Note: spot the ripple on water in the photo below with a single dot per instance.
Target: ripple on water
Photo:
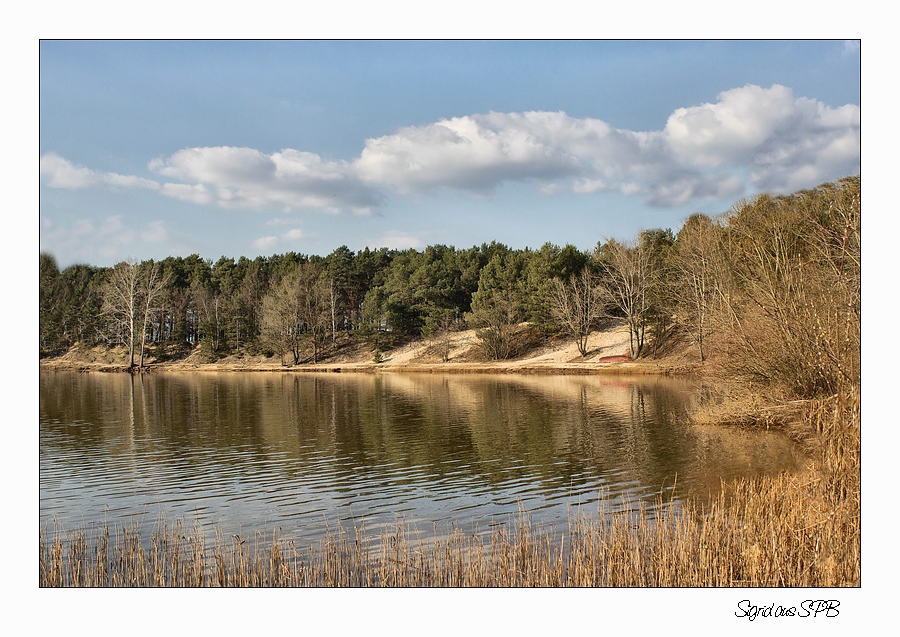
(252, 452)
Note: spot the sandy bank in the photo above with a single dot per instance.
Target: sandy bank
(557, 357)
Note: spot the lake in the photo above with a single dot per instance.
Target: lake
(305, 452)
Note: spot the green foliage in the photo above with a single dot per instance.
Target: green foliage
(535, 287)
(69, 306)
(496, 306)
(49, 306)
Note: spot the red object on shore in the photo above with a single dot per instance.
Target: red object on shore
(614, 359)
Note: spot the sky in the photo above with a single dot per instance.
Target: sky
(245, 148)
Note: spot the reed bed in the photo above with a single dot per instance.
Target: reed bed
(785, 530)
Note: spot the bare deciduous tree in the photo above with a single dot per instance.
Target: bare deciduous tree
(121, 301)
(279, 325)
(438, 329)
(578, 304)
(797, 279)
(153, 283)
(628, 281)
(696, 285)
(497, 318)
(315, 305)
(297, 311)
(128, 299)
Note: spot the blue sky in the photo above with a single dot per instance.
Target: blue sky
(156, 148)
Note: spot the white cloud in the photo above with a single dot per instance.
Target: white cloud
(56, 172)
(196, 193)
(751, 138)
(265, 243)
(675, 191)
(84, 239)
(785, 142)
(282, 221)
(232, 177)
(705, 151)
(396, 240)
(294, 235)
(60, 173)
(735, 127)
(551, 189)
(286, 238)
(473, 153)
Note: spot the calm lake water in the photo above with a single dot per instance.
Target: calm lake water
(294, 451)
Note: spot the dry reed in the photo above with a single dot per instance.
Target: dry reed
(759, 547)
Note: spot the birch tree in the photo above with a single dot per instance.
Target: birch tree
(122, 303)
(129, 299)
(152, 284)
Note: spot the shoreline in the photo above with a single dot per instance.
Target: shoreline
(558, 356)
(643, 368)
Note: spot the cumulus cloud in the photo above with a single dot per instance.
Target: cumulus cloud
(785, 142)
(750, 138)
(474, 153)
(232, 177)
(767, 137)
(735, 127)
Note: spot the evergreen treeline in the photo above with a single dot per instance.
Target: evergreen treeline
(775, 282)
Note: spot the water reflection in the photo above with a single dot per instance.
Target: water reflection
(290, 450)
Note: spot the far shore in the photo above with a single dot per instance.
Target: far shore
(557, 357)
(502, 367)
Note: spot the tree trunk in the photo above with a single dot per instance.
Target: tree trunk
(131, 344)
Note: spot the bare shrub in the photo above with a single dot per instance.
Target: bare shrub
(794, 292)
